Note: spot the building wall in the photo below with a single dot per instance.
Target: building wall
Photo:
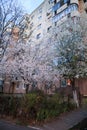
(52, 13)
(40, 21)
(13, 86)
(82, 85)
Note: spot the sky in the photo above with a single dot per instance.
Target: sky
(30, 5)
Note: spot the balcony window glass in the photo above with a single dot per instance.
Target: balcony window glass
(62, 14)
(65, 12)
(61, 2)
(75, 7)
(51, 0)
(65, 1)
(56, 7)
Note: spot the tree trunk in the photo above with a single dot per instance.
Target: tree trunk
(27, 88)
(75, 96)
(13, 87)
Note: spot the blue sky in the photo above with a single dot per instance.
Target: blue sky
(30, 5)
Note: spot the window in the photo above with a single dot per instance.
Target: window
(31, 25)
(39, 26)
(68, 2)
(39, 17)
(65, 1)
(1, 82)
(69, 15)
(55, 23)
(48, 14)
(55, 1)
(25, 86)
(56, 7)
(30, 40)
(17, 85)
(55, 12)
(38, 36)
(86, 11)
(62, 2)
(32, 16)
(40, 10)
(49, 28)
(63, 83)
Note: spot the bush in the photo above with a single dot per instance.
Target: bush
(9, 105)
(35, 105)
(85, 101)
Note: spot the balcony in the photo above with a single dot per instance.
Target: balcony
(74, 1)
(65, 12)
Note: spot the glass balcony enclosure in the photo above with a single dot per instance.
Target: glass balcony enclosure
(65, 12)
(59, 4)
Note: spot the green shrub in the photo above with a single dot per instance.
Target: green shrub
(35, 105)
(85, 101)
(42, 114)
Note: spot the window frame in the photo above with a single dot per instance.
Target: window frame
(38, 36)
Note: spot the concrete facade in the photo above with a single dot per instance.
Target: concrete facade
(40, 21)
(51, 13)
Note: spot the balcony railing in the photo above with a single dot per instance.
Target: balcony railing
(65, 12)
(59, 4)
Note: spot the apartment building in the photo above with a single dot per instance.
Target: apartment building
(49, 14)
(52, 13)
(40, 21)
